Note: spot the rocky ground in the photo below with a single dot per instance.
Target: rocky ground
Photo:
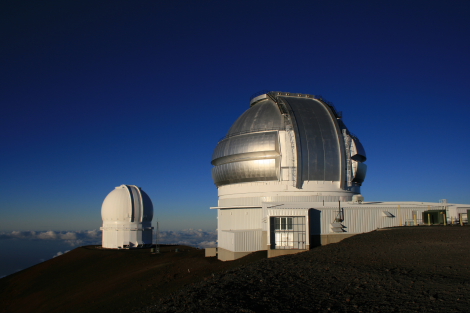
(92, 279)
(407, 269)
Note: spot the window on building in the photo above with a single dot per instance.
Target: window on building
(283, 223)
(288, 232)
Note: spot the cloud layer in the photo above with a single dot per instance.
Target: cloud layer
(73, 238)
(190, 237)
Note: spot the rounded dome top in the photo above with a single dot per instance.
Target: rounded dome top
(127, 204)
(317, 145)
(262, 116)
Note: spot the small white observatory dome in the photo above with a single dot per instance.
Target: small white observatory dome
(127, 214)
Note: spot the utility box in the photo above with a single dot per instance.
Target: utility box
(434, 217)
(211, 252)
(357, 198)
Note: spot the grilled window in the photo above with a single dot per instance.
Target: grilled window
(283, 223)
(288, 232)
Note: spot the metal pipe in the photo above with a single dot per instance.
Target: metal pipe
(399, 215)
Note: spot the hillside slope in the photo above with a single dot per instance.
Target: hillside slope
(91, 279)
(407, 269)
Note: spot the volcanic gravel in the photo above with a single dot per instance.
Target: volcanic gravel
(406, 269)
(92, 279)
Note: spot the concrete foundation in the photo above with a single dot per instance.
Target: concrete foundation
(273, 252)
(333, 238)
(227, 255)
(315, 241)
(211, 252)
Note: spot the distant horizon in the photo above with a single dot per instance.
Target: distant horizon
(25, 249)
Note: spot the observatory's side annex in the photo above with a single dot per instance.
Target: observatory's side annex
(289, 176)
(127, 214)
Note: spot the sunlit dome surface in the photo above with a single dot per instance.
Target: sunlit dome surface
(263, 116)
(127, 203)
(321, 148)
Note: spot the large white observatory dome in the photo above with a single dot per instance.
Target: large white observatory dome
(127, 214)
(288, 147)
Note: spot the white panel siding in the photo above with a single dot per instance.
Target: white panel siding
(361, 220)
(460, 210)
(248, 240)
(287, 212)
(241, 240)
(240, 230)
(257, 201)
(234, 219)
(226, 240)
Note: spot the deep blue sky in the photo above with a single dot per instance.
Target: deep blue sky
(95, 94)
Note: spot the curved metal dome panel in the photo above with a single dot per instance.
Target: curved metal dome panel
(148, 207)
(307, 130)
(262, 116)
(245, 144)
(127, 203)
(360, 170)
(246, 158)
(359, 153)
(318, 139)
(117, 205)
(245, 171)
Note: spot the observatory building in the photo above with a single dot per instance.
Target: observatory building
(127, 214)
(289, 175)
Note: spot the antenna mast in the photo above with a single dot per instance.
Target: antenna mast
(157, 243)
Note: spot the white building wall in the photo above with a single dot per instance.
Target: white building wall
(287, 212)
(114, 238)
(455, 213)
(240, 229)
(326, 196)
(234, 219)
(364, 219)
(226, 240)
(241, 240)
(459, 210)
(248, 240)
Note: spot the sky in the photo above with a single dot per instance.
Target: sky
(95, 94)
